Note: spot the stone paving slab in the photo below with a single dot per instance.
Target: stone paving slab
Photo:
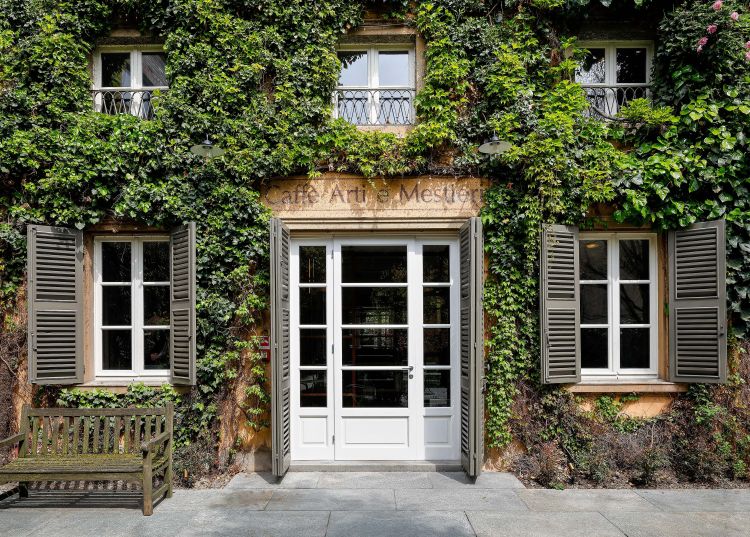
(115, 523)
(487, 480)
(584, 500)
(374, 480)
(535, 524)
(682, 524)
(266, 480)
(699, 500)
(192, 500)
(230, 523)
(458, 499)
(331, 500)
(402, 524)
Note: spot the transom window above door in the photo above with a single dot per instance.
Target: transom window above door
(376, 85)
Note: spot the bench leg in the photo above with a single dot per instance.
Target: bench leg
(169, 475)
(23, 489)
(148, 491)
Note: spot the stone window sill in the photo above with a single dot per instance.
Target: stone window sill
(651, 386)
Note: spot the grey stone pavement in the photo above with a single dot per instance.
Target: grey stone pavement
(349, 504)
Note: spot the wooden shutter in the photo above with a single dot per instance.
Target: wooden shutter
(472, 347)
(559, 307)
(697, 311)
(280, 356)
(182, 305)
(55, 272)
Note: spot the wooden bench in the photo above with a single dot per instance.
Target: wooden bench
(82, 444)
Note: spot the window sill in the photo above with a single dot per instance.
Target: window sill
(401, 131)
(123, 382)
(630, 386)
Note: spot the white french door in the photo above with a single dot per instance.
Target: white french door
(374, 346)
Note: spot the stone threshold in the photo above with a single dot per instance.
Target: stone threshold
(375, 466)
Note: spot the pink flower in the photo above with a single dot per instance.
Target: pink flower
(747, 45)
(717, 5)
(699, 49)
(702, 41)
(711, 29)
(747, 55)
(735, 16)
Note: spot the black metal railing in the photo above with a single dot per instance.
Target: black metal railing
(606, 101)
(134, 102)
(375, 106)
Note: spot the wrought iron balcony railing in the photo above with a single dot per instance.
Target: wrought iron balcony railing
(375, 106)
(606, 101)
(124, 101)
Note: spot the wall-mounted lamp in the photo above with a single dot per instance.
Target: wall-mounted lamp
(494, 146)
(207, 149)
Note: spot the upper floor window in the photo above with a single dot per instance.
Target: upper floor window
(376, 85)
(614, 73)
(124, 80)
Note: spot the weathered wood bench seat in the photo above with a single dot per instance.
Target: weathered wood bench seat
(77, 444)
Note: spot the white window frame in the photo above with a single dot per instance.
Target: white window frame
(136, 327)
(614, 372)
(610, 59)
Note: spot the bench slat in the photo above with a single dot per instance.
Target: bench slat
(96, 411)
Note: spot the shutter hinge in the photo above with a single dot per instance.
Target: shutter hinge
(332, 347)
(333, 439)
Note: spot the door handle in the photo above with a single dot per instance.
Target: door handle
(409, 369)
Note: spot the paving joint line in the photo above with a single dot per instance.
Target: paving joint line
(528, 507)
(618, 528)
(638, 493)
(473, 529)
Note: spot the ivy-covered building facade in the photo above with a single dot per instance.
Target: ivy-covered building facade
(486, 235)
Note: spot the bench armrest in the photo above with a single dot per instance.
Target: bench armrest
(151, 445)
(13, 440)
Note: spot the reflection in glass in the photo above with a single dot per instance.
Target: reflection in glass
(373, 264)
(374, 305)
(116, 349)
(156, 349)
(634, 260)
(312, 302)
(436, 305)
(116, 305)
(593, 259)
(153, 65)
(156, 305)
(375, 346)
(593, 69)
(374, 389)
(353, 68)
(634, 302)
(116, 70)
(312, 264)
(156, 261)
(312, 346)
(635, 348)
(437, 346)
(393, 68)
(116, 261)
(594, 347)
(436, 264)
(313, 391)
(437, 388)
(631, 65)
(594, 304)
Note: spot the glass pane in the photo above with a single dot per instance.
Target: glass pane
(116, 305)
(312, 305)
(594, 347)
(594, 307)
(156, 261)
(634, 303)
(312, 264)
(436, 264)
(116, 349)
(368, 389)
(353, 68)
(313, 389)
(156, 305)
(437, 303)
(635, 348)
(593, 69)
(373, 264)
(379, 305)
(593, 260)
(368, 346)
(393, 68)
(156, 349)
(116, 70)
(437, 346)
(437, 388)
(312, 346)
(153, 68)
(631, 65)
(116, 261)
(634, 260)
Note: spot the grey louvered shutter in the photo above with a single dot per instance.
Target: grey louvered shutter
(560, 311)
(472, 346)
(697, 305)
(182, 305)
(55, 272)
(280, 354)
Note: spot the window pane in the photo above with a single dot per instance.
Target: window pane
(594, 307)
(436, 264)
(156, 261)
(437, 388)
(634, 302)
(635, 348)
(593, 260)
(156, 349)
(353, 68)
(594, 347)
(381, 389)
(631, 65)
(437, 346)
(634, 260)
(593, 69)
(312, 264)
(116, 350)
(393, 68)
(373, 264)
(116, 70)
(312, 346)
(312, 305)
(116, 261)
(156, 305)
(368, 346)
(436, 305)
(153, 68)
(313, 391)
(116, 305)
(379, 305)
